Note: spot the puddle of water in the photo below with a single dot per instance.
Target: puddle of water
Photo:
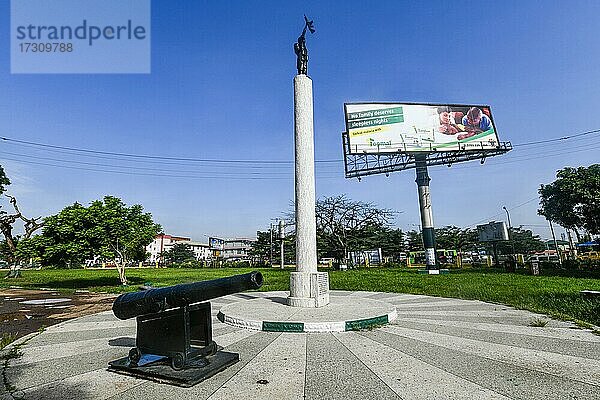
(43, 302)
(55, 307)
(14, 298)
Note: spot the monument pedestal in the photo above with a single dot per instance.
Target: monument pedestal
(309, 289)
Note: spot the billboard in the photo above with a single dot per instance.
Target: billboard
(407, 127)
(366, 257)
(216, 244)
(492, 232)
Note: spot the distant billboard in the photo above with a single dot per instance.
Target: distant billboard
(216, 244)
(492, 232)
(407, 127)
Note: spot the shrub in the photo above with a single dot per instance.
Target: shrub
(189, 263)
(237, 264)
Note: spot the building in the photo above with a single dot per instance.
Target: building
(163, 243)
(237, 249)
(202, 251)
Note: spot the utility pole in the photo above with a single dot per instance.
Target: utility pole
(271, 245)
(281, 237)
(555, 243)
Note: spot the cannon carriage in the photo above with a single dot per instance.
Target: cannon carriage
(174, 341)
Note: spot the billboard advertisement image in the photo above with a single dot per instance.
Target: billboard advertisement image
(216, 243)
(406, 127)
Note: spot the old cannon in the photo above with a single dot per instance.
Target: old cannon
(174, 330)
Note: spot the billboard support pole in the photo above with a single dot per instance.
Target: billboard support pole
(426, 213)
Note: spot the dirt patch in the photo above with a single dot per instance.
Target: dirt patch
(25, 311)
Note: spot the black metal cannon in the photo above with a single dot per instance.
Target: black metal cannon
(174, 325)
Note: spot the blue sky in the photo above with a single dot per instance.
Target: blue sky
(221, 88)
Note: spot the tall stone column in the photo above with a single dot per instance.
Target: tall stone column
(308, 288)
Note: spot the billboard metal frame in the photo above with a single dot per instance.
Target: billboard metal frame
(364, 164)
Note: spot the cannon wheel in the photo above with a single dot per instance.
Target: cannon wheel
(177, 362)
(134, 355)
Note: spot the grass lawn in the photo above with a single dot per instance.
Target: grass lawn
(553, 293)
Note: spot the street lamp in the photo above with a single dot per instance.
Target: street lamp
(508, 216)
(512, 245)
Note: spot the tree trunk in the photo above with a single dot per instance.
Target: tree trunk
(577, 234)
(121, 269)
(10, 242)
(7, 222)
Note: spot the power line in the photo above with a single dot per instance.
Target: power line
(560, 138)
(234, 161)
(237, 163)
(140, 168)
(175, 175)
(146, 156)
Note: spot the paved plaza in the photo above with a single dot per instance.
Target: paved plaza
(436, 348)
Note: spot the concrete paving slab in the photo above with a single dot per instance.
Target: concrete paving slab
(574, 368)
(45, 302)
(333, 372)
(277, 372)
(513, 381)
(25, 376)
(467, 313)
(576, 348)
(383, 296)
(247, 348)
(101, 316)
(99, 384)
(566, 332)
(409, 377)
(53, 351)
(75, 336)
(459, 349)
(450, 304)
(91, 326)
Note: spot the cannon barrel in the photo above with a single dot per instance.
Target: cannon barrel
(129, 305)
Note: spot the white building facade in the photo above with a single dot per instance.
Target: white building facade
(237, 249)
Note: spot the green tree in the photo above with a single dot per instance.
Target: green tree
(261, 247)
(455, 238)
(344, 224)
(391, 242)
(415, 240)
(107, 228)
(374, 236)
(31, 248)
(180, 252)
(67, 238)
(573, 199)
(522, 241)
